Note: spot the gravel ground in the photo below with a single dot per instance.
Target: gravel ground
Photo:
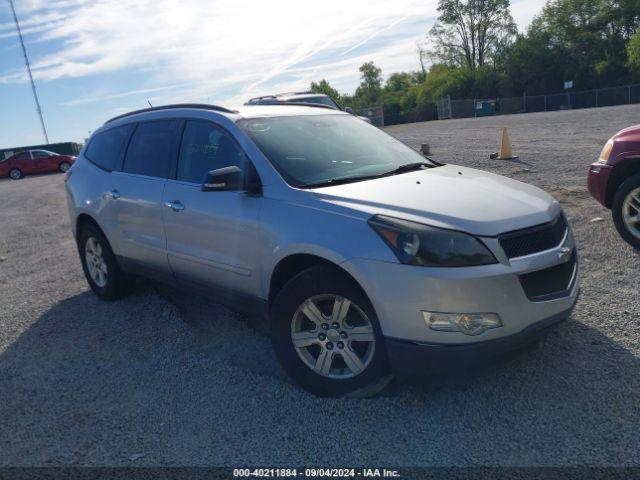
(169, 379)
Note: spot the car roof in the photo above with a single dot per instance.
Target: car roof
(244, 111)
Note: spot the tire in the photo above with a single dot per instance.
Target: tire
(623, 203)
(112, 283)
(15, 174)
(64, 166)
(327, 287)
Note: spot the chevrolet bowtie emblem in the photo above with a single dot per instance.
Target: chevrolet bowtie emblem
(564, 254)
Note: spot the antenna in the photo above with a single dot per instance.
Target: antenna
(26, 61)
(149, 103)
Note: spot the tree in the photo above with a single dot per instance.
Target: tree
(370, 85)
(400, 81)
(533, 64)
(323, 87)
(421, 50)
(633, 52)
(589, 37)
(395, 93)
(469, 32)
(371, 76)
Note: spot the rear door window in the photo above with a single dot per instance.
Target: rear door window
(153, 149)
(23, 156)
(106, 148)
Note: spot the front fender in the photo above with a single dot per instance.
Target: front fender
(291, 228)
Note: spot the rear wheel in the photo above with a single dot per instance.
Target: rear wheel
(15, 174)
(64, 166)
(100, 267)
(326, 335)
(626, 210)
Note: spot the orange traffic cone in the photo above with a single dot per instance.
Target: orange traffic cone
(506, 153)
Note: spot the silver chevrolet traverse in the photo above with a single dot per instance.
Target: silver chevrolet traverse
(366, 257)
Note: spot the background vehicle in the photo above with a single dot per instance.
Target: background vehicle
(366, 257)
(614, 180)
(34, 161)
(302, 97)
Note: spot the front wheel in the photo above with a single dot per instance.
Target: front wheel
(326, 335)
(64, 166)
(626, 211)
(15, 174)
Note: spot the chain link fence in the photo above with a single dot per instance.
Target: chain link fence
(375, 114)
(603, 97)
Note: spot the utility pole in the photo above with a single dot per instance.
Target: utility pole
(26, 61)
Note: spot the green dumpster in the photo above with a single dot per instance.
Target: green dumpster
(485, 108)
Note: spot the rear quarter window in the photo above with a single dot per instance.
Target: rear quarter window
(106, 148)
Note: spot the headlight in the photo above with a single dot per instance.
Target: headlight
(606, 151)
(418, 244)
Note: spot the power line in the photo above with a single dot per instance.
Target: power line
(26, 61)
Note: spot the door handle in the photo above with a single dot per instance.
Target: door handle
(113, 194)
(176, 205)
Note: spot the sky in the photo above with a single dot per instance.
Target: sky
(94, 59)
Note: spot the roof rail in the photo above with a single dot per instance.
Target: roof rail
(202, 106)
(263, 97)
(308, 92)
(290, 104)
(284, 94)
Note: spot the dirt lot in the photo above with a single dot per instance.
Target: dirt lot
(165, 378)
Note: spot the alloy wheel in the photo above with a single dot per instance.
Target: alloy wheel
(15, 174)
(631, 212)
(333, 336)
(96, 264)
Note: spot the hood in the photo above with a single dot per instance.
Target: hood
(633, 129)
(631, 134)
(451, 197)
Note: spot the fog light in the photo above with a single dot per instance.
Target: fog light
(467, 323)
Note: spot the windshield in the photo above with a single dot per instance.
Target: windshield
(314, 149)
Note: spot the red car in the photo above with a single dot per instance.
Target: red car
(614, 180)
(34, 161)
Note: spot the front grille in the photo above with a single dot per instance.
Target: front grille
(535, 239)
(550, 283)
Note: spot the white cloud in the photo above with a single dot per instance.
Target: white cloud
(221, 49)
(523, 12)
(198, 40)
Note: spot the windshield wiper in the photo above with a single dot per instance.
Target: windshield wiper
(341, 181)
(409, 167)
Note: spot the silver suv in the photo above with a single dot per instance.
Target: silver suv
(305, 98)
(366, 257)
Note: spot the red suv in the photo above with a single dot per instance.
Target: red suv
(614, 180)
(34, 161)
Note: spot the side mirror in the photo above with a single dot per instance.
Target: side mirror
(224, 179)
(349, 110)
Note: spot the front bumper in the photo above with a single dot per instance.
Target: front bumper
(417, 359)
(598, 180)
(400, 293)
